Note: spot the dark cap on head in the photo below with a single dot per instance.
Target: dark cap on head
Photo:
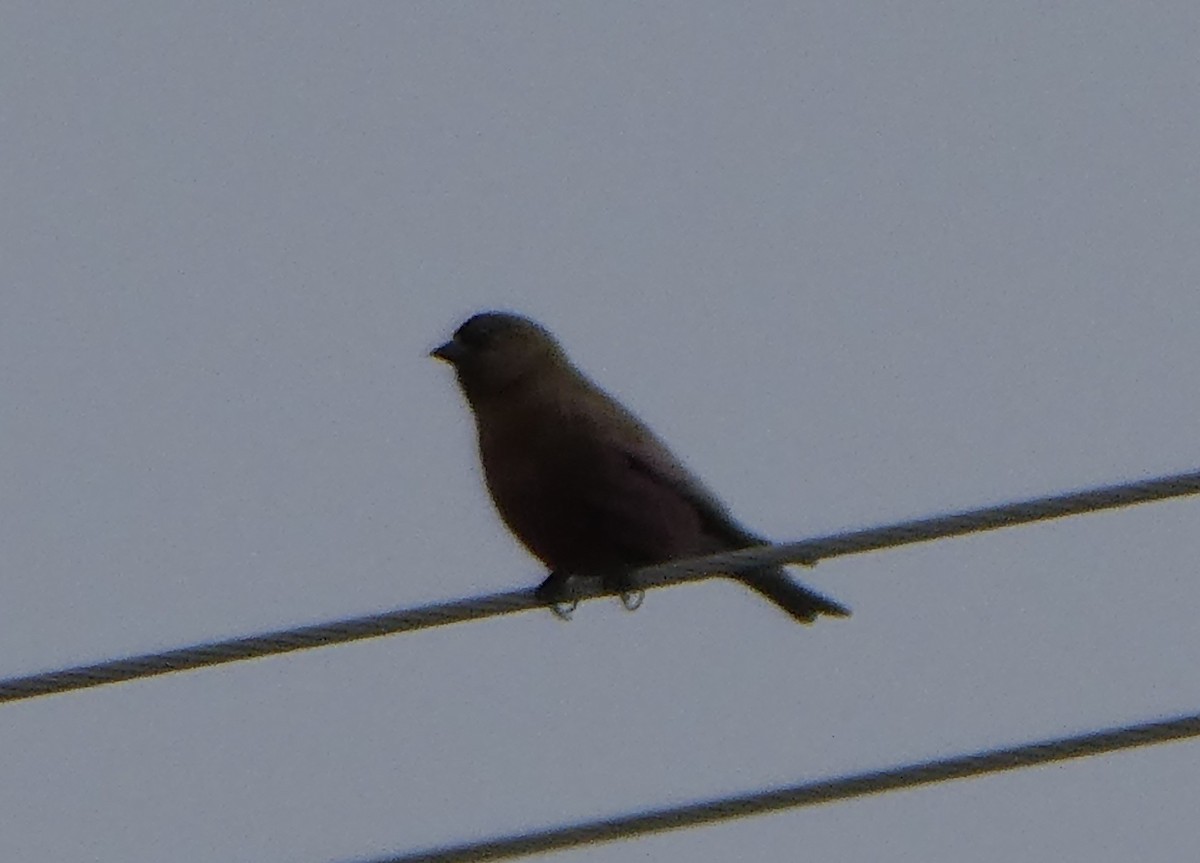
(491, 350)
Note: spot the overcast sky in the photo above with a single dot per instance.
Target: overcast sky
(857, 262)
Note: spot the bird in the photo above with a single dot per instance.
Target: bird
(580, 481)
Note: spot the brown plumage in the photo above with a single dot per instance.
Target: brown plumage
(580, 481)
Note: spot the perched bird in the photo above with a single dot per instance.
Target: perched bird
(580, 481)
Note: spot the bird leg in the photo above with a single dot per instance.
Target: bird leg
(553, 591)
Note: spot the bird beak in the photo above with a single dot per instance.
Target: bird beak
(451, 352)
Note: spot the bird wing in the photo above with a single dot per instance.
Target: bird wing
(652, 469)
(660, 467)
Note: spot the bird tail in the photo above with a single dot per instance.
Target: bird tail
(797, 600)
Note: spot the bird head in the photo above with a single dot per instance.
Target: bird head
(492, 351)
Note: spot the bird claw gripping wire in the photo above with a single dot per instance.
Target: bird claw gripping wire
(632, 599)
(563, 610)
(554, 592)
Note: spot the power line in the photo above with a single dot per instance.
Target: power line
(811, 793)
(442, 614)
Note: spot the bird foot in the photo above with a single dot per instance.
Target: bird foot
(632, 599)
(555, 593)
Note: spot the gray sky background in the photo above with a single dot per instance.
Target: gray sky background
(857, 262)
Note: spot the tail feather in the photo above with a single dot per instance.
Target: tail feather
(798, 601)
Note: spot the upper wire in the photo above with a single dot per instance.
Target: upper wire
(806, 552)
